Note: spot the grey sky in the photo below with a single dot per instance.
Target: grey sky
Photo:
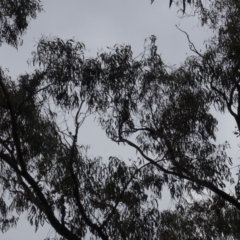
(102, 23)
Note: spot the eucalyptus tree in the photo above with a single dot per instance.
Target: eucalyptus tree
(160, 111)
(44, 170)
(218, 67)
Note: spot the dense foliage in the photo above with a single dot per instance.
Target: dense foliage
(15, 17)
(161, 111)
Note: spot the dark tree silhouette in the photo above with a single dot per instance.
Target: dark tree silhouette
(160, 111)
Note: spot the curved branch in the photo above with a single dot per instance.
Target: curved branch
(203, 183)
(151, 160)
(45, 207)
(88, 221)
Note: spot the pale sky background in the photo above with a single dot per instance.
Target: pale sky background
(98, 24)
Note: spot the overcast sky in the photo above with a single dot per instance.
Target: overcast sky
(98, 24)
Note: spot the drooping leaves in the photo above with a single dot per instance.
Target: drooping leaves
(14, 19)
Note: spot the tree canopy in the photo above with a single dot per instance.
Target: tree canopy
(15, 17)
(162, 112)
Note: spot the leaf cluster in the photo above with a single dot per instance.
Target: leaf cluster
(14, 19)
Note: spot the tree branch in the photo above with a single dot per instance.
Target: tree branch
(191, 178)
(23, 173)
(88, 221)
